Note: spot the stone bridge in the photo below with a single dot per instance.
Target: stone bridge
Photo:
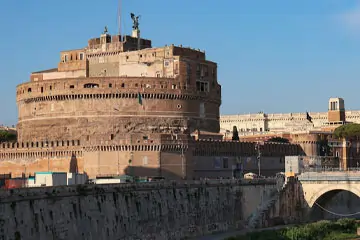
(334, 193)
(309, 197)
(319, 185)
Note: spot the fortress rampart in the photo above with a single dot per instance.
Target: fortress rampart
(112, 157)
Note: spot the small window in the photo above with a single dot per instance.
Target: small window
(66, 58)
(141, 55)
(112, 137)
(127, 57)
(29, 89)
(110, 85)
(81, 56)
(123, 85)
(145, 137)
(91, 85)
(50, 87)
(42, 89)
(72, 86)
(136, 85)
(145, 160)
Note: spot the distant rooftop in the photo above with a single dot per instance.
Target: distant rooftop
(47, 71)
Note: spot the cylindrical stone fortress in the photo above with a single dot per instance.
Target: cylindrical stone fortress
(109, 108)
(102, 93)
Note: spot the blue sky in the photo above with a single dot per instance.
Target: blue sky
(273, 56)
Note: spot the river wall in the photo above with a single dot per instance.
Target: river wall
(166, 210)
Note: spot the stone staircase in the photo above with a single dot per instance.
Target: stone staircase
(255, 220)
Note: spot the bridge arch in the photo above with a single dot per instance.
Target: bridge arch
(353, 188)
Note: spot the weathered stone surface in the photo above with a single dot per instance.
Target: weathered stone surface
(122, 211)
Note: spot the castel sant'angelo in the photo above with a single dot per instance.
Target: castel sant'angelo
(120, 106)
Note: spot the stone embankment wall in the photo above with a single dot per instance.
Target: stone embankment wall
(287, 206)
(130, 211)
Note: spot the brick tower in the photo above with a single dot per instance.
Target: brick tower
(336, 111)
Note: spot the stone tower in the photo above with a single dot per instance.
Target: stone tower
(336, 111)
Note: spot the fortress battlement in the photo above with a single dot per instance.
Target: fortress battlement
(41, 144)
(237, 148)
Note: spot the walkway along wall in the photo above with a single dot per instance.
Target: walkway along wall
(126, 211)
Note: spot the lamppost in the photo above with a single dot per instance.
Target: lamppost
(47, 155)
(130, 163)
(258, 157)
(182, 160)
(118, 163)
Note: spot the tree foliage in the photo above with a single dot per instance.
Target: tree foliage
(278, 139)
(351, 130)
(322, 230)
(235, 136)
(6, 136)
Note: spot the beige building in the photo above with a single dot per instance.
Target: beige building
(262, 123)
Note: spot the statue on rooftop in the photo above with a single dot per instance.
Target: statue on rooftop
(135, 21)
(105, 30)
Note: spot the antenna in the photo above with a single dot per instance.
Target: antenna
(119, 18)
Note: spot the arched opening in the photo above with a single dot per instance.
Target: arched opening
(91, 85)
(336, 204)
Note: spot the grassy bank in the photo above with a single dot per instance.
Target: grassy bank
(322, 230)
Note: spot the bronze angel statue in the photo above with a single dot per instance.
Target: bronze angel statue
(135, 21)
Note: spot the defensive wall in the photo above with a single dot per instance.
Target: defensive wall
(182, 158)
(131, 211)
(158, 210)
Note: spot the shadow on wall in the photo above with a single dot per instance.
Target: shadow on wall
(292, 206)
(288, 206)
(150, 172)
(336, 204)
(73, 164)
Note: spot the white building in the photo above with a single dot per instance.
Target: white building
(251, 124)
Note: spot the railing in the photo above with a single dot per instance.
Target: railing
(269, 180)
(340, 176)
(330, 169)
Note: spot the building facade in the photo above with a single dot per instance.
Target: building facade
(262, 123)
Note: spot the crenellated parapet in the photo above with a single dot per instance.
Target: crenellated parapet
(235, 148)
(40, 144)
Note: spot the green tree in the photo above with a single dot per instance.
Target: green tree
(235, 136)
(6, 136)
(278, 139)
(351, 130)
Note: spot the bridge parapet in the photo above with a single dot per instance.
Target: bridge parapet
(330, 176)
